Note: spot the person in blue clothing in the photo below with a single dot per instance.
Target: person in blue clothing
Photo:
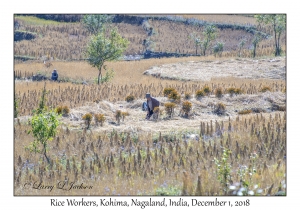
(54, 76)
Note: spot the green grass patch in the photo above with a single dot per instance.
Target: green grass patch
(31, 20)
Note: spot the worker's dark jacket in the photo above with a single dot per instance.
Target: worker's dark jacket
(54, 76)
(155, 103)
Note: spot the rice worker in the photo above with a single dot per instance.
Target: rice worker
(54, 76)
(151, 104)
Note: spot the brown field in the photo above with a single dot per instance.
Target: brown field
(123, 165)
(67, 41)
(170, 155)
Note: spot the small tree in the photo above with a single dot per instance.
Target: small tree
(101, 49)
(255, 42)
(218, 49)
(278, 24)
(96, 23)
(210, 34)
(196, 39)
(44, 128)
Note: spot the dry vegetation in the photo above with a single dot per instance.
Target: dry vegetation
(120, 164)
(67, 41)
(104, 141)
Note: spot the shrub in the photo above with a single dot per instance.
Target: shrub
(58, 110)
(124, 114)
(231, 91)
(174, 95)
(65, 110)
(219, 92)
(187, 96)
(129, 98)
(167, 91)
(220, 108)
(207, 90)
(186, 107)
(87, 118)
(43, 128)
(199, 94)
(99, 118)
(169, 107)
(118, 115)
(246, 111)
(265, 89)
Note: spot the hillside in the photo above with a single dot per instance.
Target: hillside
(67, 40)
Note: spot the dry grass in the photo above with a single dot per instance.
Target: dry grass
(118, 164)
(67, 41)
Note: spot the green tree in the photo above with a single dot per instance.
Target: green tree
(96, 23)
(101, 49)
(255, 41)
(196, 39)
(44, 128)
(210, 34)
(218, 49)
(278, 24)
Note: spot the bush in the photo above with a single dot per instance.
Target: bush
(65, 110)
(207, 90)
(219, 92)
(231, 91)
(58, 110)
(87, 118)
(99, 118)
(167, 91)
(186, 107)
(169, 107)
(130, 98)
(174, 95)
(187, 96)
(199, 94)
(265, 89)
(246, 111)
(220, 108)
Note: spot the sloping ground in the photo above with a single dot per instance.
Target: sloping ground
(274, 68)
(203, 110)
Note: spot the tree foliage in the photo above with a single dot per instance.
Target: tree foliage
(101, 49)
(196, 39)
(210, 34)
(43, 128)
(96, 23)
(218, 49)
(278, 24)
